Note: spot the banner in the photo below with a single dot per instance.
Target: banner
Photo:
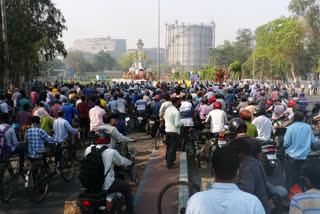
(194, 77)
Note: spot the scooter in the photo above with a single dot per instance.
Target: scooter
(270, 160)
(104, 202)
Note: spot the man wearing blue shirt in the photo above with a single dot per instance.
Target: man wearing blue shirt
(229, 97)
(303, 102)
(297, 141)
(68, 111)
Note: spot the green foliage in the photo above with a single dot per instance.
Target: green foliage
(103, 61)
(186, 75)
(48, 66)
(195, 72)
(34, 29)
(309, 12)
(125, 62)
(223, 55)
(79, 63)
(279, 42)
(235, 66)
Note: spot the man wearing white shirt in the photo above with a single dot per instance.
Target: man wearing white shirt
(224, 197)
(263, 124)
(217, 119)
(173, 124)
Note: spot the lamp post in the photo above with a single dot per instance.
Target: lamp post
(254, 62)
(159, 40)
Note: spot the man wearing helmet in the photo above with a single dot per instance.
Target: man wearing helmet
(155, 106)
(263, 124)
(217, 119)
(239, 130)
(245, 115)
(288, 111)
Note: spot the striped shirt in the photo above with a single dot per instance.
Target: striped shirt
(306, 203)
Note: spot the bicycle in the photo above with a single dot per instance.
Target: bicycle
(8, 178)
(40, 173)
(174, 197)
(158, 137)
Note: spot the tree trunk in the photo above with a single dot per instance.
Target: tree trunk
(293, 72)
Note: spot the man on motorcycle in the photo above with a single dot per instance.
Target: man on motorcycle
(277, 108)
(245, 115)
(262, 100)
(217, 119)
(303, 102)
(203, 109)
(297, 141)
(288, 111)
(110, 157)
(155, 106)
(263, 124)
(251, 106)
(252, 178)
(238, 129)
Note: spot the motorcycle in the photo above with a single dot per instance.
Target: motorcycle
(270, 160)
(104, 202)
(278, 195)
(141, 122)
(153, 125)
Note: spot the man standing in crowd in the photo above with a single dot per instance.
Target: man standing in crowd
(297, 141)
(225, 196)
(173, 124)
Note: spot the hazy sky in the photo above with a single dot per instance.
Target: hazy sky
(134, 19)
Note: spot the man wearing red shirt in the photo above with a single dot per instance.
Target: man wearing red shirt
(83, 109)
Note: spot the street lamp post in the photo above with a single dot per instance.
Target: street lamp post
(254, 62)
(159, 39)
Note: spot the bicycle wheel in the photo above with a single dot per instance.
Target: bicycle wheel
(173, 197)
(79, 145)
(67, 165)
(36, 182)
(6, 183)
(157, 140)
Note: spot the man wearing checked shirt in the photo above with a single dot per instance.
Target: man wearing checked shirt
(36, 137)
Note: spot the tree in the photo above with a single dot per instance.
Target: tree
(280, 41)
(125, 61)
(48, 66)
(103, 61)
(222, 55)
(79, 63)
(186, 75)
(309, 12)
(236, 68)
(34, 29)
(243, 46)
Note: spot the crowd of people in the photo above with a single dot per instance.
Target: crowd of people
(47, 113)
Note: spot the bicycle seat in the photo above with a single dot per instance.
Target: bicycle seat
(41, 152)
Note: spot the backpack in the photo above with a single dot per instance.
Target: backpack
(92, 175)
(5, 150)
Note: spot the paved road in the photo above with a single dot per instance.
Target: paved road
(60, 191)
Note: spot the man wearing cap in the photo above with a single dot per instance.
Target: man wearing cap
(303, 102)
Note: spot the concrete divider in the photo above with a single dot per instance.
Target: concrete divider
(183, 190)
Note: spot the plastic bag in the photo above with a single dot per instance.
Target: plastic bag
(294, 190)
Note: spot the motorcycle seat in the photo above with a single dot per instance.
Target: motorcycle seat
(279, 191)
